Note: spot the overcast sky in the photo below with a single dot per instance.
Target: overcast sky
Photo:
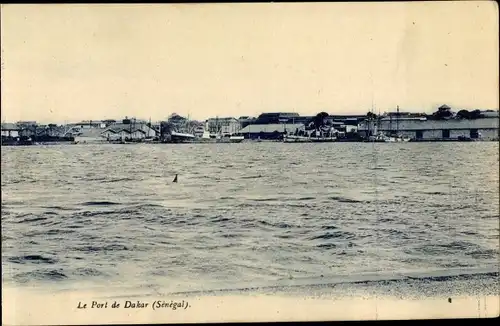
(71, 62)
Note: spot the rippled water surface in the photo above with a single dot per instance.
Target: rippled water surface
(245, 214)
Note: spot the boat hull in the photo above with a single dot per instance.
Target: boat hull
(236, 139)
(299, 139)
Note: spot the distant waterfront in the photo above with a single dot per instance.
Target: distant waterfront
(442, 125)
(205, 142)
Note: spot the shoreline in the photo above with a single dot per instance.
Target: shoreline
(410, 284)
(418, 295)
(243, 142)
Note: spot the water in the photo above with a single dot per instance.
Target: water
(247, 215)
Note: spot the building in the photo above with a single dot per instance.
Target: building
(275, 117)
(109, 122)
(129, 130)
(198, 131)
(345, 123)
(426, 128)
(89, 124)
(87, 135)
(270, 131)
(245, 121)
(26, 123)
(490, 113)
(45, 132)
(225, 126)
(10, 130)
(86, 131)
(338, 121)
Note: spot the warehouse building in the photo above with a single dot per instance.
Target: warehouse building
(270, 131)
(424, 128)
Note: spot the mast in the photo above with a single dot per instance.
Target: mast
(377, 120)
(149, 126)
(372, 119)
(372, 111)
(390, 124)
(397, 121)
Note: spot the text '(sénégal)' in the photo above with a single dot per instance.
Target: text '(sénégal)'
(135, 304)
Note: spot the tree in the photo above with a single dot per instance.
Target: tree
(443, 112)
(320, 120)
(463, 114)
(476, 114)
(165, 128)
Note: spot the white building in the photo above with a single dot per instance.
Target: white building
(10, 130)
(225, 126)
(421, 128)
(84, 133)
(88, 124)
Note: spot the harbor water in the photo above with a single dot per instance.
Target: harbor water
(249, 215)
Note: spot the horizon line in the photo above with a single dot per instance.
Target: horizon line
(67, 121)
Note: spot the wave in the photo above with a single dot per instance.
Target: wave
(347, 200)
(32, 219)
(113, 247)
(298, 205)
(57, 232)
(88, 271)
(335, 235)
(89, 179)
(487, 253)
(305, 198)
(148, 205)
(329, 227)
(454, 246)
(219, 219)
(252, 177)
(92, 214)
(434, 193)
(125, 212)
(99, 203)
(265, 199)
(327, 246)
(50, 274)
(119, 180)
(280, 225)
(59, 208)
(35, 259)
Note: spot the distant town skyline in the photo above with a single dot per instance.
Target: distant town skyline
(63, 62)
(145, 119)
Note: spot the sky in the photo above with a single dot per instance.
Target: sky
(70, 62)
